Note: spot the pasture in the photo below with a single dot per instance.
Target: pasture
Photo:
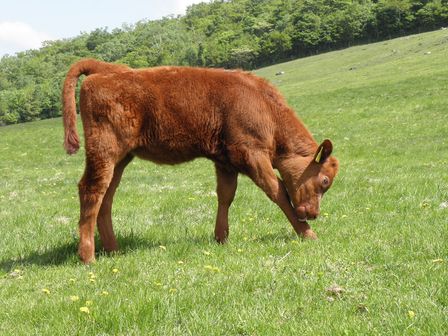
(379, 266)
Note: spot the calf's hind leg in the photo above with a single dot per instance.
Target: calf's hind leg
(226, 187)
(104, 220)
(92, 188)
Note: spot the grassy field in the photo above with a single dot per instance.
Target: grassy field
(379, 267)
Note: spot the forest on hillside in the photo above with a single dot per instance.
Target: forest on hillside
(222, 33)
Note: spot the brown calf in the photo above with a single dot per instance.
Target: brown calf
(171, 115)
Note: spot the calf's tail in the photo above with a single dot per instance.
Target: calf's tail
(84, 67)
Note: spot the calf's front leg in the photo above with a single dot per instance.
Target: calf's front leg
(262, 173)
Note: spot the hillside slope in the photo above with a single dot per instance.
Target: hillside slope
(379, 267)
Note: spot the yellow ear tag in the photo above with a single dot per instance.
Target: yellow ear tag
(319, 155)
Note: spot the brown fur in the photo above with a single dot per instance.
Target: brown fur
(171, 115)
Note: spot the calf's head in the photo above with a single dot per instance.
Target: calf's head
(308, 178)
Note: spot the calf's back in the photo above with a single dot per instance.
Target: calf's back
(174, 114)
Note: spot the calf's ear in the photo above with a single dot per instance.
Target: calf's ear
(323, 151)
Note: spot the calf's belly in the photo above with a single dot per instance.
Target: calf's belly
(163, 155)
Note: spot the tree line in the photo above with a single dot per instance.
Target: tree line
(222, 33)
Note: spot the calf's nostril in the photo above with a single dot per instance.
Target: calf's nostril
(301, 212)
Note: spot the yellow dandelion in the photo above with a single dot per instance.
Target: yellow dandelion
(206, 252)
(424, 204)
(211, 268)
(45, 290)
(180, 262)
(115, 270)
(74, 298)
(92, 280)
(245, 238)
(411, 314)
(84, 310)
(104, 293)
(89, 303)
(240, 250)
(326, 214)
(344, 216)
(162, 247)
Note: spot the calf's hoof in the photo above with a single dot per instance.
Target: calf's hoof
(86, 254)
(87, 259)
(221, 238)
(309, 234)
(111, 247)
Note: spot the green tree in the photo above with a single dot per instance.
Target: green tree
(393, 17)
(242, 57)
(433, 15)
(97, 37)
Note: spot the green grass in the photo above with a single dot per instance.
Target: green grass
(383, 233)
